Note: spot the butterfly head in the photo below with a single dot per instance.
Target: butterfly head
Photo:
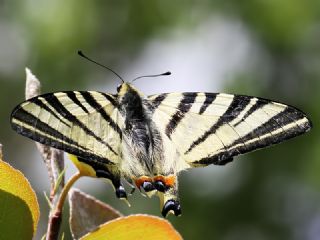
(125, 88)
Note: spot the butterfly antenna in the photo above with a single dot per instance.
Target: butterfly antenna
(156, 75)
(84, 56)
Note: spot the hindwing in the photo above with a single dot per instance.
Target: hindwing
(84, 123)
(211, 128)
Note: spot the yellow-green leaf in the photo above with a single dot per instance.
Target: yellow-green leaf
(19, 209)
(135, 227)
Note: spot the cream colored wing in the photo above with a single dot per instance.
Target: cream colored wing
(86, 124)
(210, 128)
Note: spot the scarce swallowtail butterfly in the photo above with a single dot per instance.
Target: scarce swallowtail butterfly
(149, 140)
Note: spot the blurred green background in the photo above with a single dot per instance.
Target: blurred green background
(266, 48)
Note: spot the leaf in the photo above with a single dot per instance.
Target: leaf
(135, 227)
(87, 213)
(19, 209)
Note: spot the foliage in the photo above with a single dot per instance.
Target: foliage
(19, 209)
(92, 219)
(135, 227)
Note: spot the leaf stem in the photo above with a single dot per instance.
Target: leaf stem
(56, 215)
(66, 189)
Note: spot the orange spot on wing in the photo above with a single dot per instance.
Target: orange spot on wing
(159, 178)
(169, 181)
(139, 181)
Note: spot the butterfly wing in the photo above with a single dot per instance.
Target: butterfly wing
(210, 128)
(86, 124)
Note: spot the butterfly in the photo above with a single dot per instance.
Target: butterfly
(149, 140)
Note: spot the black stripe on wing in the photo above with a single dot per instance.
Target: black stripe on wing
(57, 105)
(30, 120)
(97, 106)
(210, 97)
(111, 98)
(58, 140)
(289, 116)
(238, 104)
(74, 98)
(158, 100)
(40, 104)
(183, 108)
(259, 104)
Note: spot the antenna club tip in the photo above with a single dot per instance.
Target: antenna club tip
(167, 73)
(80, 53)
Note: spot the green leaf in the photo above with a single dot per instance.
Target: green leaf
(19, 209)
(87, 213)
(135, 227)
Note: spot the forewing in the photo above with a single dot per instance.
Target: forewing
(86, 124)
(210, 128)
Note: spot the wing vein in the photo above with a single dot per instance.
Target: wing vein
(64, 112)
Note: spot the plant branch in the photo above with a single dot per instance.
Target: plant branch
(0, 151)
(53, 159)
(57, 166)
(56, 213)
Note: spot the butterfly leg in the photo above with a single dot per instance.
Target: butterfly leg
(131, 184)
